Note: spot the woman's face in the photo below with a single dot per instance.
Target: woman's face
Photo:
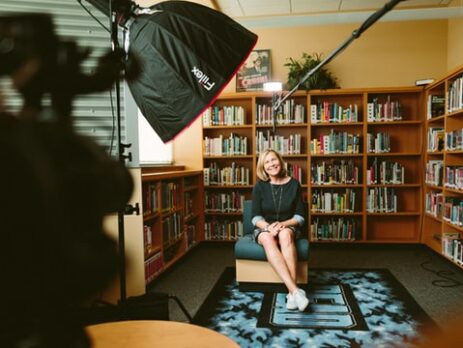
(272, 165)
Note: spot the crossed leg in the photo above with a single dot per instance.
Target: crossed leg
(282, 256)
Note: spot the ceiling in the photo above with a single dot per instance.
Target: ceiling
(306, 12)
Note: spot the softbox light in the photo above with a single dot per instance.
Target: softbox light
(188, 54)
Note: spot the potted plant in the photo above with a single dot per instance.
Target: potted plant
(321, 79)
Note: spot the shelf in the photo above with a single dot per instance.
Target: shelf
(337, 155)
(243, 126)
(337, 124)
(220, 187)
(335, 214)
(395, 185)
(151, 216)
(433, 217)
(447, 189)
(436, 119)
(404, 213)
(394, 123)
(283, 125)
(333, 186)
(393, 154)
(228, 157)
(434, 187)
(224, 213)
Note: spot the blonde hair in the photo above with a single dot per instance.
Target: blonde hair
(260, 171)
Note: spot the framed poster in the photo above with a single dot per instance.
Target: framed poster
(254, 72)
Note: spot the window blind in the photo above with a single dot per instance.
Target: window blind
(93, 114)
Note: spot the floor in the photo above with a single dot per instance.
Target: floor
(192, 278)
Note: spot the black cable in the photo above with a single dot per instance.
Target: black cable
(113, 129)
(447, 282)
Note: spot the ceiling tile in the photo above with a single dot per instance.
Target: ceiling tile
(231, 8)
(265, 7)
(307, 6)
(359, 5)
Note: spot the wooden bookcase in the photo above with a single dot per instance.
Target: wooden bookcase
(315, 143)
(172, 217)
(169, 223)
(443, 193)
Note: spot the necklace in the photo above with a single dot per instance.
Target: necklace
(277, 192)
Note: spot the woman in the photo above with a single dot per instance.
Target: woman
(277, 214)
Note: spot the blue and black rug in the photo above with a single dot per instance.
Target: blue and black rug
(348, 308)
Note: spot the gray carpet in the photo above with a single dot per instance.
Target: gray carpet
(194, 276)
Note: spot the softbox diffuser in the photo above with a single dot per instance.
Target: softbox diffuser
(188, 54)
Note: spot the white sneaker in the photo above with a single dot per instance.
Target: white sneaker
(290, 302)
(300, 299)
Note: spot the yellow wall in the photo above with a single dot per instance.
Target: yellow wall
(387, 54)
(455, 43)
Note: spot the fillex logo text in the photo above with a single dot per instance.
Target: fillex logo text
(203, 79)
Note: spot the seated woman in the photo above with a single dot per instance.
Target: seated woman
(277, 214)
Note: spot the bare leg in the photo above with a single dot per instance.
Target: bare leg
(288, 250)
(276, 260)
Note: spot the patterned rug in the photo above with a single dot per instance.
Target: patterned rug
(348, 308)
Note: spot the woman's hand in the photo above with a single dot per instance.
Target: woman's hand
(275, 228)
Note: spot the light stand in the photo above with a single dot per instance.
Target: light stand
(121, 156)
(355, 34)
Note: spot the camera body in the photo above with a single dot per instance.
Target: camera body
(56, 188)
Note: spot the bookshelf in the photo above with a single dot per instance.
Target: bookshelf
(334, 143)
(172, 217)
(379, 132)
(443, 193)
(169, 223)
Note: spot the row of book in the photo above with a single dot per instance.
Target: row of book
(190, 232)
(435, 105)
(454, 140)
(435, 139)
(222, 202)
(335, 229)
(326, 112)
(455, 95)
(153, 266)
(289, 113)
(189, 208)
(233, 145)
(172, 228)
(295, 171)
(223, 230)
(224, 116)
(454, 177)
(384, 111)
(335, 172)
(385, 173)
(170, 196)
(433, 203)
(148, 238)
(381, 200)
(232, 175)
(452, 211)
(333, 202)
(336, 142)
(291, 145)
(150, 198)
(452, 247)
(434, 172)
(378, 143)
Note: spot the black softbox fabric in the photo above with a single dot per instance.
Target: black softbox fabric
(188, 53)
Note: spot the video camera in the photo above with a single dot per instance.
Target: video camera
(56, 188)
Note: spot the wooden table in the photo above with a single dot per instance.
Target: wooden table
(155, 333)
